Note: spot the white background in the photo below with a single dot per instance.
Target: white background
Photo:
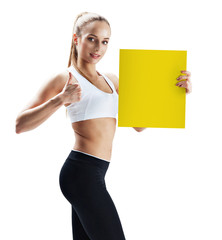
(165, 183)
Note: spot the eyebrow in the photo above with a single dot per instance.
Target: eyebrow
(96, 36)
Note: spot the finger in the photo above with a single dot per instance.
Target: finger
(70, 78)
(182, 77)
(182, 84)
(186, 72)
(76, 85)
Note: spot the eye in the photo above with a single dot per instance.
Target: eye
(90, 38)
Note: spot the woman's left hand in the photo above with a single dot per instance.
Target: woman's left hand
(186, 83)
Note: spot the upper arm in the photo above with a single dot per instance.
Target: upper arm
(49, 89)
(114, 79)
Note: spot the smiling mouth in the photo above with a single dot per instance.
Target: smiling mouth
(94, 55)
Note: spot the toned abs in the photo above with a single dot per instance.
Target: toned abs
(95, 136)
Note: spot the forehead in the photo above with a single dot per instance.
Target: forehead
(99, 28)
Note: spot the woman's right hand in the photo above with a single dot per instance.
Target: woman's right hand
(72, 91)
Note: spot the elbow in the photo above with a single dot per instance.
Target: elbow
(138, 129)
(18, 126)
(18, 130)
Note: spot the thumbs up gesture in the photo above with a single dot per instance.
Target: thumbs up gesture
(71, 91)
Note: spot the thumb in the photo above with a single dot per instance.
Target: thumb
(69, 81)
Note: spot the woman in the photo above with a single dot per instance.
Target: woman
(91, 99)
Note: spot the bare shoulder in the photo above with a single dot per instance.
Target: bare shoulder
(55, 84)
(114, 78)
(56, 81)
(60, 80)
(51, 87)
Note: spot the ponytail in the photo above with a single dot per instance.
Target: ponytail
(80, 21)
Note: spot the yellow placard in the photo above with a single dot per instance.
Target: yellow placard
(148, 95)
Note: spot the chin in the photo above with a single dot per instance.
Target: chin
(94, 60)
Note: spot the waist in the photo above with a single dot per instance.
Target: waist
(102, 153)
(82, 157)
(88, 154)
(95, 137)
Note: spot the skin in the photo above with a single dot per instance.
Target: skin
(93, 136)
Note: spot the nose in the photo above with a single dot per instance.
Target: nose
(97, 46)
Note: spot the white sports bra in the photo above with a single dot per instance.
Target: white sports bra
(94, 103)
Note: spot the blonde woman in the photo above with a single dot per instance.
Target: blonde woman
(91, 99)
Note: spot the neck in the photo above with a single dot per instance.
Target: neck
(87, 69)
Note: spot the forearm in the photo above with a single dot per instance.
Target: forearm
(32, 118)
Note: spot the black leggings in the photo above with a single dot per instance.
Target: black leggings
(94, 215)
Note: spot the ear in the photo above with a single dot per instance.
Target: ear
(75, 38)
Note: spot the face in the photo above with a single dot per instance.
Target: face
(93, 43)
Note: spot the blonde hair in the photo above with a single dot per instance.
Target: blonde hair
(81, 20)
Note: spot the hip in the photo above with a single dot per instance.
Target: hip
(83, 174)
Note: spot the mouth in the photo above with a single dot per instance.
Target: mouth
(95, 56)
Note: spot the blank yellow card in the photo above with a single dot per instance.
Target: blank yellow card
(148, 95)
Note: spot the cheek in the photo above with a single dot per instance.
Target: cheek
(104, 49)
(84, 50)
(86, 46)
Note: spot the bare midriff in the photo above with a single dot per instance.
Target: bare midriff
(95, 136)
